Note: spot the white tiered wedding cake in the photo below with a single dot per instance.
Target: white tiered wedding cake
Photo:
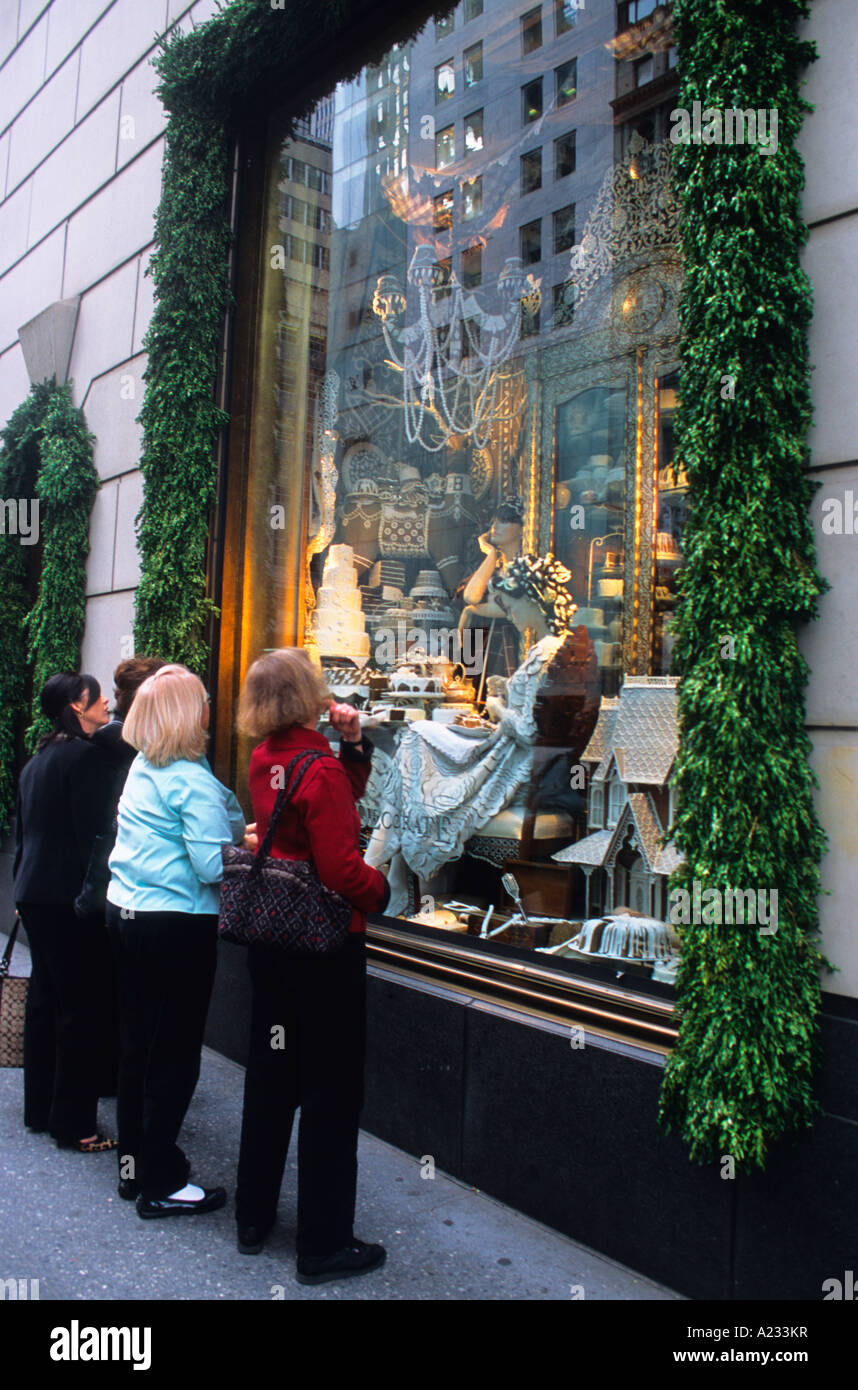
(339, 625)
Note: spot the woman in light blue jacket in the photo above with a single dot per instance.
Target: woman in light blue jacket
(174, 818)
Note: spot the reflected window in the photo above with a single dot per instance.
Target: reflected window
(566, 82)
(565, 15)
(529, 324)
(564, 305)
(472, 198)
(443, 216)
(445, 81)
(445, 275)
(445, 147)
(564, 229)
(472, 267)
(473, 65)
(443, 27)
(564, 155)
(630, 11)
(643, 70)
(530, 242)
(531, 171)
(531, 101)
(474, 132)
(531, 30)
(473, 8)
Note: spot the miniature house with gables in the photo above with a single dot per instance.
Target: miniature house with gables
(629, 760)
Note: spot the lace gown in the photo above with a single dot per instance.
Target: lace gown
(443, 786)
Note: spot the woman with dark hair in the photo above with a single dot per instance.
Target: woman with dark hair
(61, 805)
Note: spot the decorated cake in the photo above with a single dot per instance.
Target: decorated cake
(339, 625)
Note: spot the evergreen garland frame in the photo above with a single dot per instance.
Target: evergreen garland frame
(740, 1076)
(45, 455)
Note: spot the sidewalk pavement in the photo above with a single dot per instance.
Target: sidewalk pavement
(61, 1222)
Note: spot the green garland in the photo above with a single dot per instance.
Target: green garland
(45, 454)
(740, 1075)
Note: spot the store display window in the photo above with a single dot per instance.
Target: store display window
(461, 493)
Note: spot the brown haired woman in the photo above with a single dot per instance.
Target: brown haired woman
(319, 1002)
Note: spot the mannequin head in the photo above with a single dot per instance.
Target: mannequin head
(506, 529)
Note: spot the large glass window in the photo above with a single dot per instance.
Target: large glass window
(460, 487)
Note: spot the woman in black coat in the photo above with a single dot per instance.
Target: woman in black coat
(63, 797)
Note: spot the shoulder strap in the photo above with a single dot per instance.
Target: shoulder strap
(285, 793)
(6, 962)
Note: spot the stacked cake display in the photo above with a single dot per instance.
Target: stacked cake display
(339, 625)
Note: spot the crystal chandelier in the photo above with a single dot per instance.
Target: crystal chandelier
(449, 357)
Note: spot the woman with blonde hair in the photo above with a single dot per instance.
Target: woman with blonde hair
(174, 817)
(318, 1002)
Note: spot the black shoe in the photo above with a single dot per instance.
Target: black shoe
(128, 1189)
(354, 1259)
(251, 1239)
(149, 1207)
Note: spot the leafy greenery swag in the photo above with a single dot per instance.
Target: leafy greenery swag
(740, 1076)
(45, 456)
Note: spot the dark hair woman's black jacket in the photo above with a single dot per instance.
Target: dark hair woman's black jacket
(118, 756)
(63, 798)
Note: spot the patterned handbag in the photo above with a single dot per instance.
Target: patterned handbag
(281, 901)
(13, 1003)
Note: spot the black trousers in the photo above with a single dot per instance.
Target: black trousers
(317, 1011)
(165, 965)
(64, 1036)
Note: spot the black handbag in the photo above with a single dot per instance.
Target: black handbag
(281, 902)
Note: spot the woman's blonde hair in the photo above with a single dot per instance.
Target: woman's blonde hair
(165, 719)
(282, 688)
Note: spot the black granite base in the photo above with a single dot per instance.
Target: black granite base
(569, 1136)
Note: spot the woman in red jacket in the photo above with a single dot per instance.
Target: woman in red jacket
(308, 1021)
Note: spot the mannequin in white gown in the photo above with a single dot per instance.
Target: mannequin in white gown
(442, 786)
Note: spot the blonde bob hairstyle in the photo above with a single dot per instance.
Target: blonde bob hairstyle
(281, 689)
(165, 721)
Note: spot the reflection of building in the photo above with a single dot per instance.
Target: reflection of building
(304, 224)
(630, 758)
